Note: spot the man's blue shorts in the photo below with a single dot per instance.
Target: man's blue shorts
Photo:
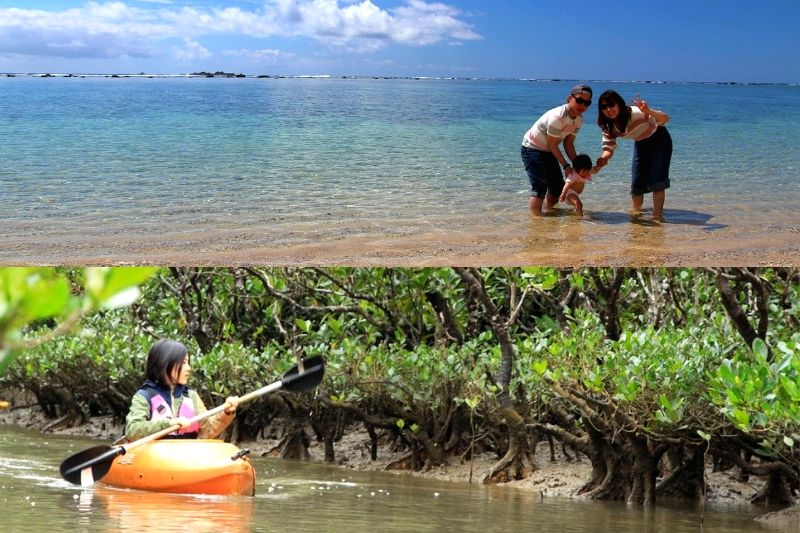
(544, 172)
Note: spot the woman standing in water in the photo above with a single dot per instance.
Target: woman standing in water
(652, 149)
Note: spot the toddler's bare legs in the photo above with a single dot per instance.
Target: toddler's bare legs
(574, 200)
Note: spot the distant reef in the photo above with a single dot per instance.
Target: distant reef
(218, 74)
(222, 74)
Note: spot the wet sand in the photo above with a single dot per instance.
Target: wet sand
(603, 238)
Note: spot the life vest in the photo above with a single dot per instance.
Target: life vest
(161, 409)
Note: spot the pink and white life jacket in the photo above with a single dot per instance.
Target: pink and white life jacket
(161, 409)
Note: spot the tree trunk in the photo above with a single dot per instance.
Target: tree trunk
(624, 472)
(444, 315)
(607, 299)
(610, 479)
(776, 492)
(643, 488)
(686, 476)
(434, 453)
(373, 442)
(330, 456)
(736, 312)
(517, 463)
(294, 445)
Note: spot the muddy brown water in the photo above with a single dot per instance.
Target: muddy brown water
(294, 496)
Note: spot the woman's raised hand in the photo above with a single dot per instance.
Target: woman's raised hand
(231, 403)
(641, 104)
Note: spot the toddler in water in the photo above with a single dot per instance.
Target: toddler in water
(582, 172)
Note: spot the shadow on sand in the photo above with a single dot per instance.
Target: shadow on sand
(671, 216)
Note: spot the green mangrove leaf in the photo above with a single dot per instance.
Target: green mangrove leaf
(123, 298)
(540, 366)
(108, 287)
(544, 278)
(782, 346)
(742, 419)
(790, 387)
(725, 371)
(760, 348)
(5, 360)
(703, 435)
(334, 324)
(664, 402)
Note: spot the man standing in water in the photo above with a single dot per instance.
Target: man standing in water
(541, 153)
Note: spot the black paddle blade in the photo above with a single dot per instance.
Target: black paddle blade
(313, 370)
(98, 458)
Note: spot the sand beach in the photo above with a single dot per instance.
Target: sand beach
(687, 237)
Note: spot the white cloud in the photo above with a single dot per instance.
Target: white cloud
(116, 29)
(264, 55)
(416, 23)
(103, 30)
(191, 50)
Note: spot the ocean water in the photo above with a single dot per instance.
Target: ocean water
(141, 157)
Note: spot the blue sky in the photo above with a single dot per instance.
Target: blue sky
(679, 40)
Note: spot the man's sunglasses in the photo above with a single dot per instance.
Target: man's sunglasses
(581, 101)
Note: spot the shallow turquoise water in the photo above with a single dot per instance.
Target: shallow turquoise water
(139, 156)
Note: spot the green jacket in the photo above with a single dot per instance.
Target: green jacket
(139, 425)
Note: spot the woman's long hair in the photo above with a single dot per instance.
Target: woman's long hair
(605, 123)
(165, 356)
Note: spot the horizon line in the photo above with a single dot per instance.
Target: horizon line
(221, 74)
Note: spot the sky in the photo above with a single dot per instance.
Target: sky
(669, 40)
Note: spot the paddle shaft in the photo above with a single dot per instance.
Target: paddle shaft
(286, 381)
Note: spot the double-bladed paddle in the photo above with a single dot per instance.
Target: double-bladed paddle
(86, 466)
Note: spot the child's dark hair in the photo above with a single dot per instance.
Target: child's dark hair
(164, 357)
(582, 162)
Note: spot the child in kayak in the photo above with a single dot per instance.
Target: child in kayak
(164, 399)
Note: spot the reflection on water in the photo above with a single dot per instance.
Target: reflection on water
(127, 510)
(685, 237)
(293, 496)
(646, 239)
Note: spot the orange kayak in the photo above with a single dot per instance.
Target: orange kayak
(186, 466)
